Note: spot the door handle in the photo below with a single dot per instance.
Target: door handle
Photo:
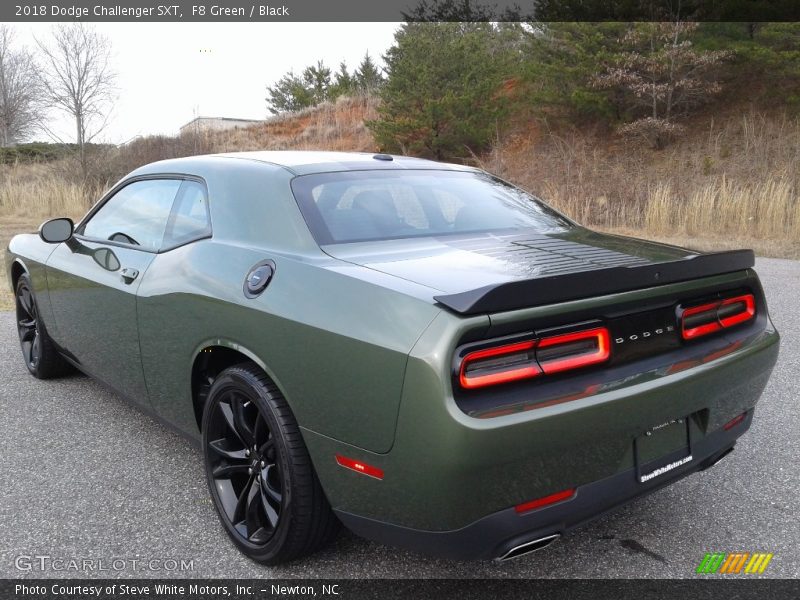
(128, 275)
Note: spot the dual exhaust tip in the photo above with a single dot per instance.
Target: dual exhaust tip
(543, 542)
(528, 547)
(715, 459)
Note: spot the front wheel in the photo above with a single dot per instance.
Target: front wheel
(259, 473)
(38, 350)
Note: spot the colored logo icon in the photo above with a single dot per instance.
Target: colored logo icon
(734, 562)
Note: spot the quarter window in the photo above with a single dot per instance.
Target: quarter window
(189, 219)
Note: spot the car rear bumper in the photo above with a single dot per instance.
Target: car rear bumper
(498, 534)
(451, 481)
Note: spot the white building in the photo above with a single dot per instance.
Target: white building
(203, 124)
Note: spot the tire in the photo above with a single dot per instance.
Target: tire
(38, 350)
(259, 473)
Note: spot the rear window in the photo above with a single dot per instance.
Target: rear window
(355, 206)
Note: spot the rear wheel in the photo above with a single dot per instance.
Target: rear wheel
(38, 350)
(259, 473)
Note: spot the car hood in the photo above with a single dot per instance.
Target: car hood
(453, 264)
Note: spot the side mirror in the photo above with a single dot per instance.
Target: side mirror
(56, 231)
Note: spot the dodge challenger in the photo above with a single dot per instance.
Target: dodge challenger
(419, 351)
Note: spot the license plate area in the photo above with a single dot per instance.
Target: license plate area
(662, 449)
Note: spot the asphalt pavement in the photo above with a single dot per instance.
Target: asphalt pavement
(90, 482)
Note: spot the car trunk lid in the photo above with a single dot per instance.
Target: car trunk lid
(496, 272)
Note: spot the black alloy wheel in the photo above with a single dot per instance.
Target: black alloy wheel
(244, 467)
(28, 325)
(39, 352)
(260, 476)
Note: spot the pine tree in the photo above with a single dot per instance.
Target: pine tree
(344, 84)
(317, 79)
(292, 92)
(289, 94)
(368, 78)
(441, 95)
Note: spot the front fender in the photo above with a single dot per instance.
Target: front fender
(31, 253)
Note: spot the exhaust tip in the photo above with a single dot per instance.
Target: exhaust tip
(528, 547)
(717, 459)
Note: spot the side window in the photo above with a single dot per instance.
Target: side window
(190, 217)
(136, 215)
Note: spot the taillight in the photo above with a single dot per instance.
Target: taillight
(736, 310)
(697, 321)
(531, 358)
(573, 350)
(700, 320)
(501, 364)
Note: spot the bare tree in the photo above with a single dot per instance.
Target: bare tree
(78, 79)
(19, 91)
(661, 76)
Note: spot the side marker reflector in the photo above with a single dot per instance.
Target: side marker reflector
(734, 422)
(359, 467)
(546, 501)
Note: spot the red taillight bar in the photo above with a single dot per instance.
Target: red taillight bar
(714, 316)
(359, 467)
(740, 317)
(595, 355)
(493, 371)
(710, 310)
(531, 358)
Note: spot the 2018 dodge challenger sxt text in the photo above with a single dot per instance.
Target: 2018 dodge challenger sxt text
(420, 351)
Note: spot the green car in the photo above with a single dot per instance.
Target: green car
(419, 351)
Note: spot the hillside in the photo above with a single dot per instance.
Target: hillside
(732, 180)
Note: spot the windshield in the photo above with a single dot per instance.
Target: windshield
(355, 206)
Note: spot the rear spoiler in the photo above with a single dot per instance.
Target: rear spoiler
(599, 282)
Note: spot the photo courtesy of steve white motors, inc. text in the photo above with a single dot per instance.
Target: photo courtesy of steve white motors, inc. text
(168, 589)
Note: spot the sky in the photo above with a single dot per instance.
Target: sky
(169, 73)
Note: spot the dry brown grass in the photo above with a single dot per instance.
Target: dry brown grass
(32, 191)
(30, 194)
(733, 183)
(9, 227)
(712, 243)
(765, 209)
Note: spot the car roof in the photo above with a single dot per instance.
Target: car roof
(303, 162)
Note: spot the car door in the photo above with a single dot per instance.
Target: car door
(94, 277)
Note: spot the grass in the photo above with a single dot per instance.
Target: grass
(9, 227)
(31, 194)
(767, 248)
(732, 180)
